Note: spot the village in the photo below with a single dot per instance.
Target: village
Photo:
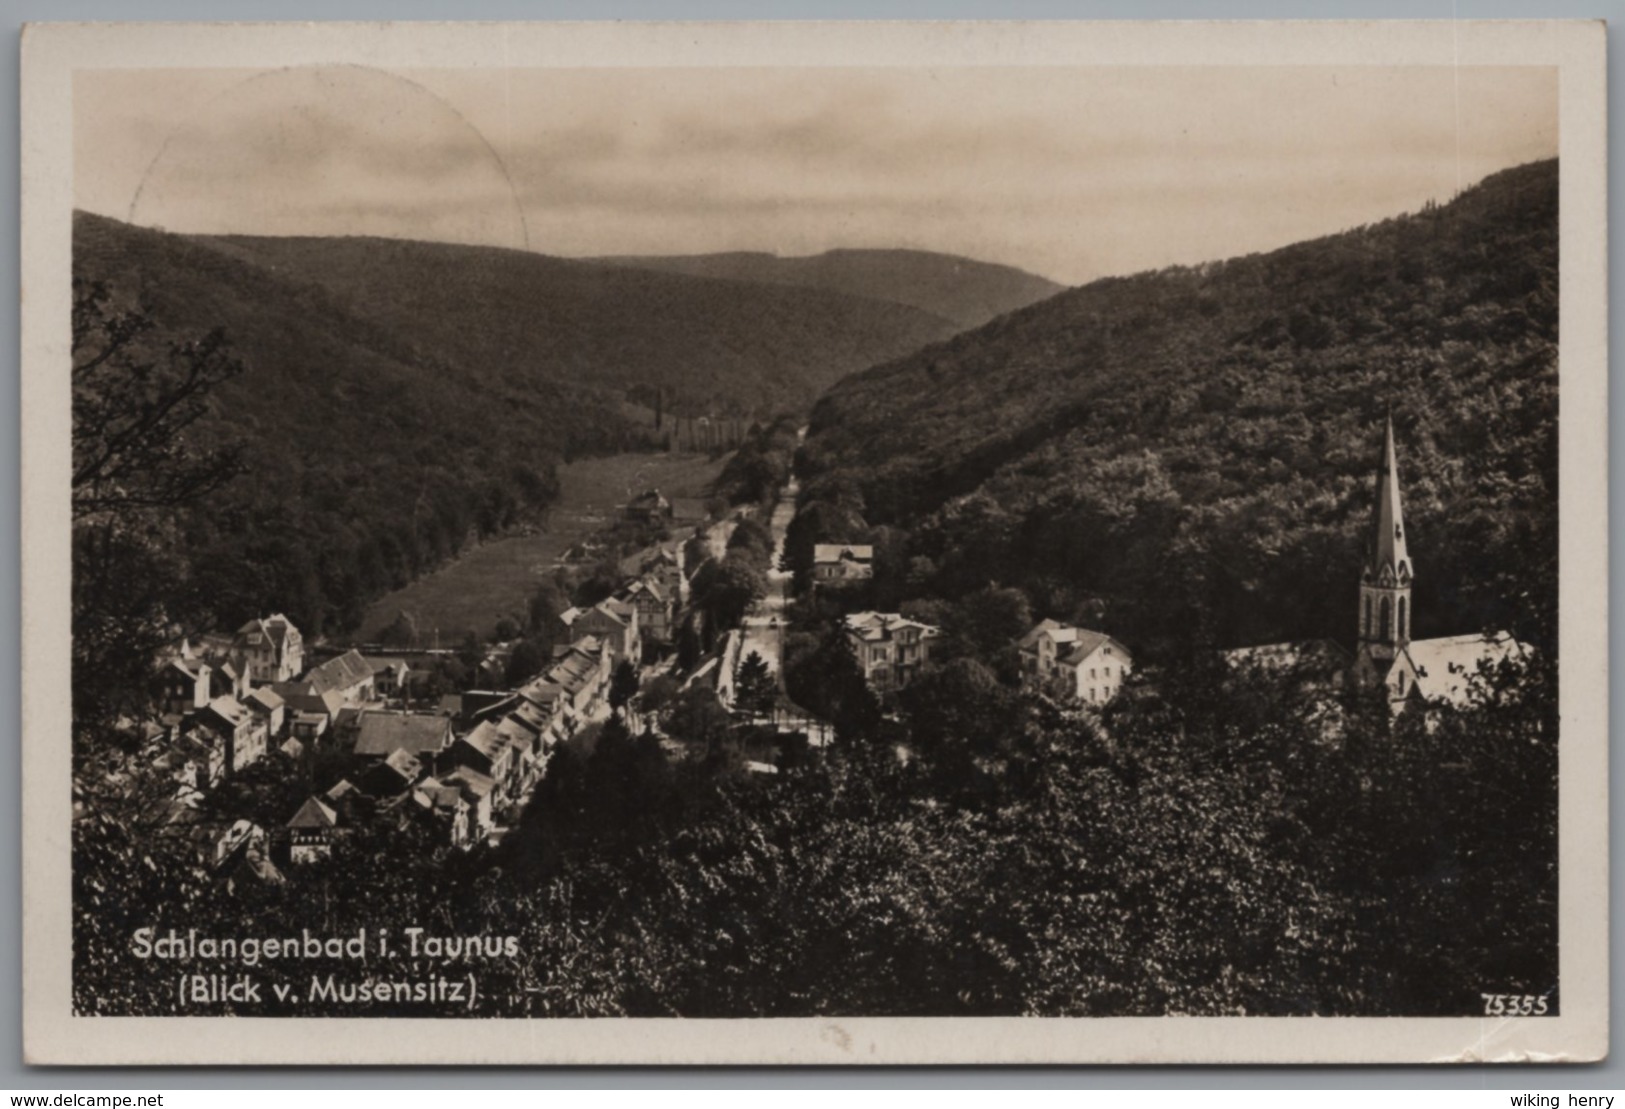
(467, 763)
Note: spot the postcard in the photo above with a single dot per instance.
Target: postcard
(814, 543)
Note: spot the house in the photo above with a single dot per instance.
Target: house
(460, 801)
(551, 707)
(483, 749)
(196, 761)
(890, 649)
(613, 622)
(648, 507)
(580, 671)
(243, 733)
(308, 727)
(349, 801)
(299, 700)
(349, 675)
(269, 708)
(311, 831)
(841, 562)
(346, 723)
(446, 805)
(1041, 647)
(418, 733)
(269, 650)
(181, 686)
(479, 791)
(225, 680)
(477, 704)
(655, 608)
(502, 747)
(499, 751)
(1073, 663)
(521, 741)
(391, 677)
(390, 776)
(667, 569)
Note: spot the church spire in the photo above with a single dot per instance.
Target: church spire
(1388, 557)
(1385, 583)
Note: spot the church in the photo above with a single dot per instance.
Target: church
(1412, 670)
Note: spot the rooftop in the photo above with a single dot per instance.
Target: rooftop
(384, 732)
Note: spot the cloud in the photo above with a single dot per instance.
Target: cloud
(1070, 172)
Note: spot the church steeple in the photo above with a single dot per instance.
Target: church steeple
(1388, 539)
(1385, 582)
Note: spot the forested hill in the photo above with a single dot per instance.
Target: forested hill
(367, 459)
(713, 346)
(399, 397)
(1189, 453)
(968, 292)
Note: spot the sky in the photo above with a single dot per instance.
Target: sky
(1068, 172)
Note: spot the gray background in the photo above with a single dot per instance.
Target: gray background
(13, 1074)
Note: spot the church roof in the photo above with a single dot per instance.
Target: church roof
(1445, 668)
(1388, 551)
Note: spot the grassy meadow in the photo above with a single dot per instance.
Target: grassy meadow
(495, 579)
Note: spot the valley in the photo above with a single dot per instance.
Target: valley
(495, 579)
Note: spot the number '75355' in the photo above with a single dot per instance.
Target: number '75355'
(1514, 1005)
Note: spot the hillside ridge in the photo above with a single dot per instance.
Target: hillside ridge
(1222, 416)
(965, 290)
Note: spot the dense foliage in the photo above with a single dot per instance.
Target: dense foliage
(756, 472)
(366, 459)
(1207, 852)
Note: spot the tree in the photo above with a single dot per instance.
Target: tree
(699, 720)
(751, 536)
(135, 406)
(988, 621)
(542, 614)
(400, 632)
(957, 714)
(623, 685)
(726, 590)
(829, 682)
(659, 694)
(529, 658)
(689, 647)
(755, 690)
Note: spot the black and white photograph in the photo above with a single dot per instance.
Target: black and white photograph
(695, 543)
